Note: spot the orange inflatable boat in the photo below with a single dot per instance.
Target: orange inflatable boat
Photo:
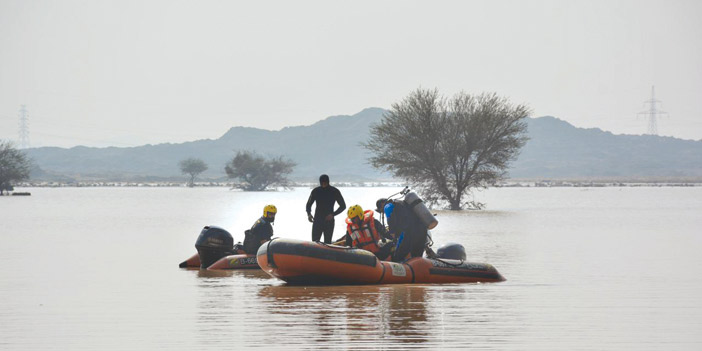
(238, 261)
(216, 250)
(192, 262)
(304, 262)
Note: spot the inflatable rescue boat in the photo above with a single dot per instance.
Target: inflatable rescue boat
(216, 250)
(240, 260)
(192, 262)
(304, 262)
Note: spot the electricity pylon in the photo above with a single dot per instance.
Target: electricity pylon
(653, 113)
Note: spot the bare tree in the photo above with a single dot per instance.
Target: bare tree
(14, 166)
(255, 173)
(192, 167)
(446, 147)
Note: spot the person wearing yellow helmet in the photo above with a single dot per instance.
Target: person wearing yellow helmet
(261, 231)
(365, 232)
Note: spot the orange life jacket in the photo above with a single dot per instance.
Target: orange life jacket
(366, 236)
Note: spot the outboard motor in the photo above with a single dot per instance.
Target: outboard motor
(421, 210)
(213, 244)
(452, 251)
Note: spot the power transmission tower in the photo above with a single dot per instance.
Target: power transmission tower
(23, 128)
(653, 113)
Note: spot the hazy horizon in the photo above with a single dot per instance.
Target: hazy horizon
(219, 135)
(129, 73)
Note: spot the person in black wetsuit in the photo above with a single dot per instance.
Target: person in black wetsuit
(261, 231)
(325, 196)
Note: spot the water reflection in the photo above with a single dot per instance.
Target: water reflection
(223, 299)
(353, 315)
(203, 273)
(250, 309)
(215, 302)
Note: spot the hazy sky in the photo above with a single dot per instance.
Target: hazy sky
(128, 73)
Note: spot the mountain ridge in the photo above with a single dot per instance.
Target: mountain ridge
(556, 149)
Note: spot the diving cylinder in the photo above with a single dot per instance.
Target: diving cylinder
(421, 210)
(213, 244)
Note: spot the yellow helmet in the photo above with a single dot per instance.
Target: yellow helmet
(268, 210)
(355, 211)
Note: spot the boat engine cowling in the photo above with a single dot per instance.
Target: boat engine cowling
(213, 244)
(452, 251)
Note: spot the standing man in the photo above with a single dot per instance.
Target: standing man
(323, 220)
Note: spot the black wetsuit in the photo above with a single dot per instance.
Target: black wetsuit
(261, 231)
(325, 197)
(403, 220)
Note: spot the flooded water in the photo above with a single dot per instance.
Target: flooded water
(586, 269)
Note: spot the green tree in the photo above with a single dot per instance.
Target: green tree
(446, 147)
(193, 167)
(14, 166)
(255, 173)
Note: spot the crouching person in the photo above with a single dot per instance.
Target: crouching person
(365, 232)
(261, 231)
(411, 233)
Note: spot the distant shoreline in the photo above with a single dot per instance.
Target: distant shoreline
(505, 184)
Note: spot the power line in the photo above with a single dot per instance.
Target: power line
(86, 126)
(92, 140)
(653, 113)
(23, 128)
(89, 129)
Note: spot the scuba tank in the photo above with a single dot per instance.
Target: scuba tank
(213, 244)
(421, 210)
